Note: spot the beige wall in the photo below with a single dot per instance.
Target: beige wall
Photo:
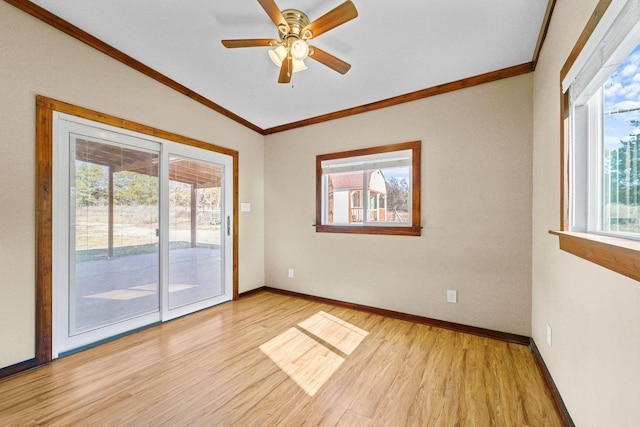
(476, 197)
(37, 59)
(594, 313)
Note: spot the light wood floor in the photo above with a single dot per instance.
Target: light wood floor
(270, 359)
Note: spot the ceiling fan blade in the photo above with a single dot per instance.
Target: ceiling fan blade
(329, 60)
(286, 69)
(338, 16)
(275, 14)
(250, 43)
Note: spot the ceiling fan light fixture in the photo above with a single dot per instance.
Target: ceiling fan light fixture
(277, 55)
(299, 49)
(298, 65)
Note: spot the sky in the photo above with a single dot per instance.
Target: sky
(622, 91)
(398, 173)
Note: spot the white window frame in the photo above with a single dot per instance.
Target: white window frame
(616, 35)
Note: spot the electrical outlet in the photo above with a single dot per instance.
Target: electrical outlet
(452, 296)
(549, 336)
(290, 273)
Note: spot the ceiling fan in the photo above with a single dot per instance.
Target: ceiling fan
(294, 29)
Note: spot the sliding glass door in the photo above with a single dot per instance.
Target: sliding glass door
(196, 273)
(140, 231)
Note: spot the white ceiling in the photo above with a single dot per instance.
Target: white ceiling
(394, 48)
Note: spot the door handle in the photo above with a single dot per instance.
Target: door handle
(228, 225)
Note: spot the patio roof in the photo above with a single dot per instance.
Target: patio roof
(119, 159)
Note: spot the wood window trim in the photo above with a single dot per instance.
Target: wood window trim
(619, 255)
(44, 205)
(414, 230)
(614, 253)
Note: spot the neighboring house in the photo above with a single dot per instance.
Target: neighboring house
(346, 197)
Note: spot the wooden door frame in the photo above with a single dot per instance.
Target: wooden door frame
(44, 205)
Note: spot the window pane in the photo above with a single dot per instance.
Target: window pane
(195, 231)
(116, 264)
(398, 195)
(387, 191)
(345, 191)
(621, 136)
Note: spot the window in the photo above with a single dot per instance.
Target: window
(604, 113)
(606, 128)
(601, 140)
(620, 177)
(370, 191)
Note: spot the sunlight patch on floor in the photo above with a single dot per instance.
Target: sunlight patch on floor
(121, 294)
(342, 335)
(136, 292)
(172, 288)
(311, 352)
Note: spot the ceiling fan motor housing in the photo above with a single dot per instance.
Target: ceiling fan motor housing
(297, 21)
